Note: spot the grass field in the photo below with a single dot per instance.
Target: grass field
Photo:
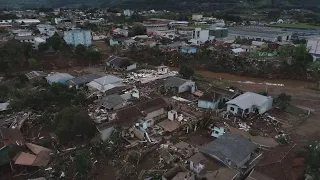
(297, 26)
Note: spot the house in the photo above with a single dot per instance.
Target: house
(217, 132)
(163, 69)
(105, 83)
(112, 102)
(197, 17)
(46, 29)
(58, 78)
(122, 63)
(188, 50)
(98, 37)
(9, 139)
(36, 75)
(117, 41)
(209, 101)
(149, 43)
(129, 42)
(37, 42)
(82, 80)
(128, 12)
(210, 169)
(122, 32)
(78, 36)
(249, 102)
(238, 50)
(154, 109)
(177, 85)
(282, 163)
(313, 45)
(151, 27)
(27, 39)
(234, 151)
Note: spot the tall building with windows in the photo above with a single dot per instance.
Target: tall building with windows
(78, 36)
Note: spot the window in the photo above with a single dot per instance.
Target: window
(231, 108)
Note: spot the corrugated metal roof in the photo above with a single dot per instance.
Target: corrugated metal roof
(111, 101)
(84, 79)
(249, 99)
(175, 81)
(229, 147)
(59, 76)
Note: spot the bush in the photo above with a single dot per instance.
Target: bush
(83, 161)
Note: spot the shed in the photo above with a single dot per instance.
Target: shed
(178, 85)
(59, 78)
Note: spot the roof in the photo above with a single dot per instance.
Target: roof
(238, 50)
(109, 79)
(119, 62)
(59, 76)
(111, 101)
(255, 175)
(28, 20)
(211, 97)
(175, 81)
(34, 74)
(22, 38)
(41, 159)
(249, 99)
(10, 137)
(229, 147)
(4, 106)
(40, 40)
(282, 163)
(36, 149)
(84, 79)
(257, 31)
(151, 105)
(169, 125)
(223, 92)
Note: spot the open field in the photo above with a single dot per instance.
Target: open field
(297, 26)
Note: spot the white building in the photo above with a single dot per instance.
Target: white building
(200, 36)
(156, 27)
(127, 12)
(27, 21)
(37, 42)
(170, 34)
(313, 45)
(46, 29)
(5, 23)
(197, 17)
(78, 36)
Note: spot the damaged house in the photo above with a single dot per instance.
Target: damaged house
(105, 83)
(152, 110)
(112, 102)
(176, 85)
(249, 102)
(121, 63)
(82, 80)
(214, 97)
(10, 140)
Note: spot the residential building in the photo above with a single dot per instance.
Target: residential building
(178, 85)
(27, 39)
(151, 27)
(105, 83)
(169, 34)
(259, 34)
(46, 29)
(249, 102)
(209, 101)
(112, 102)
(121, 63)
(22, 32)
(188, 50)
(27, 21)
(200, 36)
(80, 81)
(122, 32)
(128, 12)
(117, 41)
(78, 36)
(282, 163)
(5, 23)
(98, 37)
(234, 151)
(58, 78)
(197, 17)
(313, 45)
(217, 32)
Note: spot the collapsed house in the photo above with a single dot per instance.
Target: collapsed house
(121, 63)
(249, 102)
(36, 75)
(82, 80)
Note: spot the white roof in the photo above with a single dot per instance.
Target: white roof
(109, 79)
(56, 77)
(4, 106)
(40, 40)
(27, 20)
(105, 83)
(238, 50)
(249, 99)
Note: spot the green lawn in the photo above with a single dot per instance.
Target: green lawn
(298, 26)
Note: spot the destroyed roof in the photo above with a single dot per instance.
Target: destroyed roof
(41, 159)
(119, 62)
(229, 147)
(255, 175)
(111, 101)
(175, 81)
(109, 79)
(35, 74)
(84, 79)
(10, 137)
(249, 99)
(36, 149)
(222, 174)
(282, 163)
(211, 97)
(151, 105)
(209, 163)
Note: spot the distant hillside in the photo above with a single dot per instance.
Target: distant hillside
(184, 5)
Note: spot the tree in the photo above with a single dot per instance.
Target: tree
(315, 69)
(301, 56)
(72, 121)
(283, 101)
(4, 92)
(55, 41)
(43, 47)
(186, 71)
(92, 56)
(313, 161)
(138, 29)
(80, 51)
(83, 161)
(33, 63)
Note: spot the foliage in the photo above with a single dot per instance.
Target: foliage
(313, 161)
(80, 51)
(4, 92)
(55, 41)
(138, 29)
(186, 71)
(315, 69)
(43, 47)
(3, 31)
(33, 63)
(83, 161)
(299, 41)
(92, 56)
(264, 93)
(73, 121)
(282, 101)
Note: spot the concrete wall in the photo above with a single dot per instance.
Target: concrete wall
(155, 113)
(131, 67)
(266, 106)
(235, 108)
(105, 134)
(188, 86)
(207, 104)
(314, 46)
(196, 167)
